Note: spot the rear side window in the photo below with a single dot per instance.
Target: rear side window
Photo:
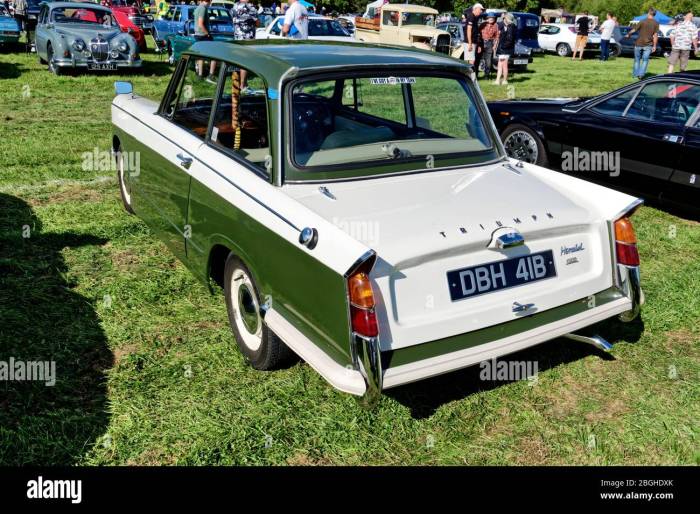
(240, 121)
(193, 97)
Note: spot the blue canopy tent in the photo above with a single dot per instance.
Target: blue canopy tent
(660, 17)
(309, 6)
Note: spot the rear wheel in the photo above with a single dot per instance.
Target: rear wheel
(524, 144)
(258, 344)
(563, 50)
(615, 51)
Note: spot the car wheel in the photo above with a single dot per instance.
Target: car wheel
(616, 51)
(56, 70)
(258, 344)
(124, 190)
(524, 144)
(563, 50)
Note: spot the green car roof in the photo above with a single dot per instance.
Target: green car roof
(271, 59)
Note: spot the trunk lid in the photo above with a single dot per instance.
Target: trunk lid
(427, 224)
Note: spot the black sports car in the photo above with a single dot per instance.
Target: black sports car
(644, 137)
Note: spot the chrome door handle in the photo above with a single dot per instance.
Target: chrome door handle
(185, 161)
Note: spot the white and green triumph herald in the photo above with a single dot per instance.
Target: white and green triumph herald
(352, 219)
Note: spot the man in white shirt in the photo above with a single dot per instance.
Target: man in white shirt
(683, 36)
(296, 21)
(606, 32)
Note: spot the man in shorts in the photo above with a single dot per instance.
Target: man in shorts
(582, 28)
(684, 34)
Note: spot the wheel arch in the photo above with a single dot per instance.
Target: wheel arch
(220, 248)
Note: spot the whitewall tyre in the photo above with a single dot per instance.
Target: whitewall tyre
(258, 344)
(124, 188)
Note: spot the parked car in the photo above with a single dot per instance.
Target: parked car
(220, 30)
(174, 21)
(321, 28)
(127, 25)
(526, 27)
(351, 222)
(522, 55)
(527, 30)
(134, 10)
(81, 35)
(561, 38)
(348, 23)
(663, 44)
(9, 29)
(651, 126)
(405, 25)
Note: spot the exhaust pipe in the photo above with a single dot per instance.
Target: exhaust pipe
(595, 340)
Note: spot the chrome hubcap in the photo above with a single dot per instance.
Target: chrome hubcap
(246, 310)
(522, 146)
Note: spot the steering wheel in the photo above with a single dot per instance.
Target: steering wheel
(310, 121)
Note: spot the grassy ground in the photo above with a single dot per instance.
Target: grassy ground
(148, 372)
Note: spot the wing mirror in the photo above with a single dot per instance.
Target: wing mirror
(123, 88)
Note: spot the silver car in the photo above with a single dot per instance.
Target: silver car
(72, 35)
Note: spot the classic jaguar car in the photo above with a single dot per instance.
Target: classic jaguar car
(650, 128)
(80, 35)
(353, 221)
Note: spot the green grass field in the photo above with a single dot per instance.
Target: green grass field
(148, 372)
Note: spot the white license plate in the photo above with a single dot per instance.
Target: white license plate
(519, 61)
(105, 66)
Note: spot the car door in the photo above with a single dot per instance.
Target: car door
(684, 185)
(546, 37)
(390, 31)
(180, 125)
(40, 35)
(639, 128)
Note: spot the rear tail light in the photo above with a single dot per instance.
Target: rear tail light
(626, 242)
(362, 315)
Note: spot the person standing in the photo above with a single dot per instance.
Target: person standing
(201, 33)
(617, 33)
(21, 15)
(583, 25)
(506, 47)
(296, 21)
(471, 35)
(606, 33)
(489, 37)
(684, 34)
(646, 43)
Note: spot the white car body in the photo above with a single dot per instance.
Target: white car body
(271, 31)
(553, 37)
(433, 222)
